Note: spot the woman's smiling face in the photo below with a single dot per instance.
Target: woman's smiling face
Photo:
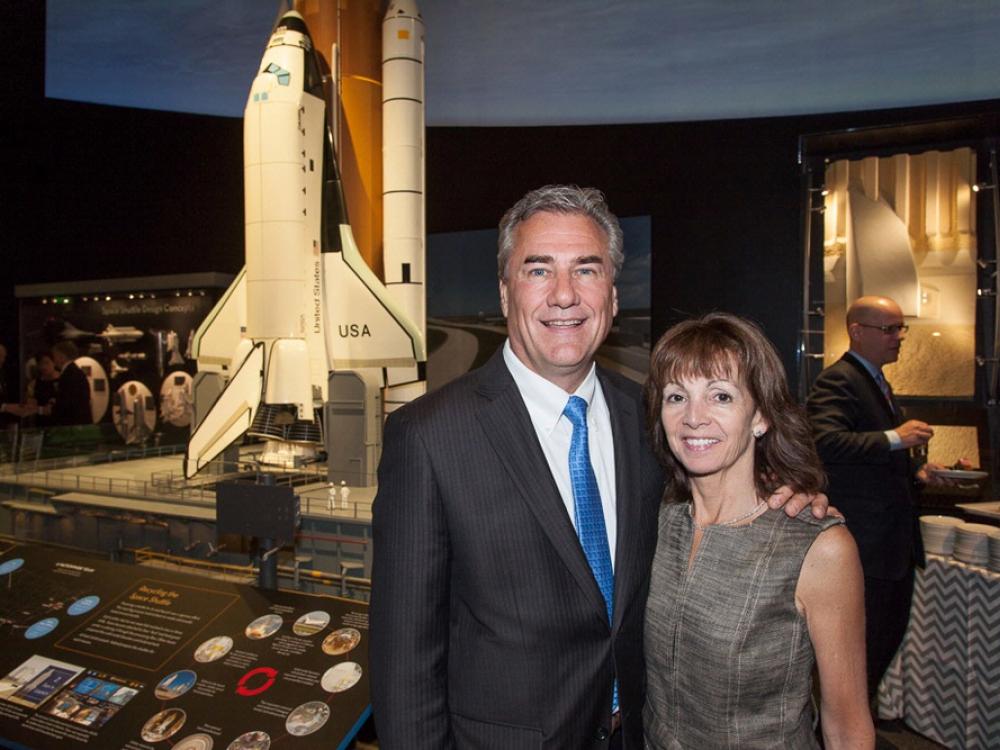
(710, 423)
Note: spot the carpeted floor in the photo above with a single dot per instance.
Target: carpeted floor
(892, 735)
(895, 735)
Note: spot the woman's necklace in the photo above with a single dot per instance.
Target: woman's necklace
(732, 521)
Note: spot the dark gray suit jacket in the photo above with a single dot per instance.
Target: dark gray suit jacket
(872, 486)
(488, 629)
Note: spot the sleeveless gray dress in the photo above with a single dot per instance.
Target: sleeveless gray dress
(728, 657)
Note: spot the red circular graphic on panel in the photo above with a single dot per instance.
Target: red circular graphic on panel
(270, 675)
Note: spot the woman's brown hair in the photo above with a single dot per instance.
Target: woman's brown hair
(725, 345)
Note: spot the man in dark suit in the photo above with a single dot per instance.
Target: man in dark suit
(499, 617)
(72, 402)
(865, 446)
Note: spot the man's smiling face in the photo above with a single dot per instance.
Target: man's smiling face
(559, 295)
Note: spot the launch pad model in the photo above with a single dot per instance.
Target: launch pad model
(307, 311)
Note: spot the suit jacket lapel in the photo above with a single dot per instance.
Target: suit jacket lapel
(508, 427)
(624, 426)
(874, 389)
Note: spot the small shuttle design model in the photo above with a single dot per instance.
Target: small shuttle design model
(306, 304)
(111, 334)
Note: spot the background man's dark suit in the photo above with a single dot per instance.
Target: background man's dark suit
(875, 490)
(488, 627)
(72, 404)
(872, 486)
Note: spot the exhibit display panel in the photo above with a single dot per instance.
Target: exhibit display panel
(133, 337)
(108, 655)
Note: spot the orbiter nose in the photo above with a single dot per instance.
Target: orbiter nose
(402, 8)
(293, 21)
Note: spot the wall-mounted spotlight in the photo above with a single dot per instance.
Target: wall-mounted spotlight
(818, 209)
(986, 292)
(981, 360)
(822, 190)
(982, 186)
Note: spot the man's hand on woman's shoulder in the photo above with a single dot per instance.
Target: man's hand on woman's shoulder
(795, 502)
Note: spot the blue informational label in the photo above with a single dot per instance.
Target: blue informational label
(9, 566)
(41, 628)
(83, 605)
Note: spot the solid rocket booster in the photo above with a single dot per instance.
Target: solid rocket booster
(403, 173)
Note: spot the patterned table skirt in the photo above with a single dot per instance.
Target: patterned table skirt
(945, 678)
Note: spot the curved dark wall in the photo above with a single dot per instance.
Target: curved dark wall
(93, 192)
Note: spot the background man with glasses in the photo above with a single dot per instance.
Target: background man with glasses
(865, 444)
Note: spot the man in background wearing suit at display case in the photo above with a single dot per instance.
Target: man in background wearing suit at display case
(72, 402)
(516, 513)
(865, 443)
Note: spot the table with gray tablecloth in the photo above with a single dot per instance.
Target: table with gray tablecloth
(945, 678)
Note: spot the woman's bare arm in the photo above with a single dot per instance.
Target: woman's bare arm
(830, 594)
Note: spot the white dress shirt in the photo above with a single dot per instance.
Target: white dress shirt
(895, 441)
(545, 402)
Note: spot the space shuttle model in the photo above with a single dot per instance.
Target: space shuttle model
(307, 305)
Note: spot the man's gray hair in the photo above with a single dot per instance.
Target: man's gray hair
(560, 199)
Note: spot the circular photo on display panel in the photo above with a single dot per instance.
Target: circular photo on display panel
(213, 649)
(341, 641)
(264, 627)
(251, 741)
(164, 724)
(307, 718)
(198, 741)
(311, 623)
(174, 685)
(341, 677)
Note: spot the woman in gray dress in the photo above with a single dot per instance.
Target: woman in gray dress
(744, 600)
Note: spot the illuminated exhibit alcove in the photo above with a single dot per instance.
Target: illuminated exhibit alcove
(904, 226)
(908, 212)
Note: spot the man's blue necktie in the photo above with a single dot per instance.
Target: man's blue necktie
(883, 384)
(587, 508)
